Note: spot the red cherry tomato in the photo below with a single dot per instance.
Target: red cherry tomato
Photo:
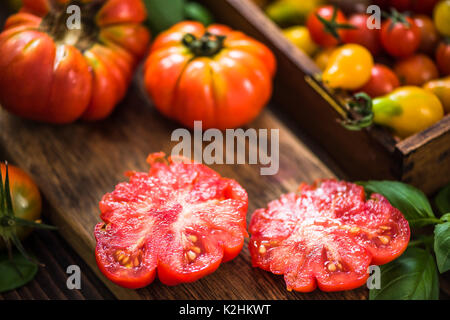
(416, 70)
(369, 38)
(382, 81)
(181, 220)
(327, 235)
(429, 37)
(320, 33)
(443, 58)
(400, 36)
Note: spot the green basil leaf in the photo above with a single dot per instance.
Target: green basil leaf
(442, 200)
(10, 278)
(413, 276)
(446, 217)
(410, 201)
(195, 11)
(162, 14)
(442, 246)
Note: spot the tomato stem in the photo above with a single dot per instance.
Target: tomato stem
(361, 106)
(55, 23)
(332, 26)
(206, 46)
(396, 17)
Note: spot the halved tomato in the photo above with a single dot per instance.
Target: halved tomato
(181, 220)
(327, 235)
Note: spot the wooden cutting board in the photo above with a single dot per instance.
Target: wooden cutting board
(74, 165)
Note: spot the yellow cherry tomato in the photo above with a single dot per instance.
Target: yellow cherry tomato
(441, 88)
(321, 59)
(407, 110)
(299, 36)
(289, 12)
(441, 17)
(349, 67)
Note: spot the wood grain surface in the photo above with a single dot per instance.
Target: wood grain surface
(50, 282)
(75, 165)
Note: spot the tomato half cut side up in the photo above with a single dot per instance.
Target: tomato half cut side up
(326, 235)
(179, 221)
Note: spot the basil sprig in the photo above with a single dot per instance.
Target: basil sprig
(162, 14)
(414, 275)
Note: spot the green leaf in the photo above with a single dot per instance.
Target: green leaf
(410, 201)
(442, 200)
(446, 217)
(162, 14)
(15, 273)
(442, 246)
(197, 12)
(413, 276)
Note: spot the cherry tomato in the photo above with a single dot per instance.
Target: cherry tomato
(181, 220)
(299, 36)
(329, 32)
(400, 36)
(429, 36)
(219, 76)
(323, 57)
(443, 57)
(369, 38)
(441, 88)
(441, 17)
(326, 235)
(407, 110)
(416, 70)
(349, 67)
(25, 195)
(382, 81)
(54, 74)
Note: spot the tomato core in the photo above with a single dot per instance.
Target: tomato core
(56, 23)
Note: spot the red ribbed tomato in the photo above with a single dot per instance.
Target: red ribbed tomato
(180, 220)
(327, 235)
(55, 74)
(219, 76)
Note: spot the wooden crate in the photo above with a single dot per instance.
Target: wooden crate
(422, 160)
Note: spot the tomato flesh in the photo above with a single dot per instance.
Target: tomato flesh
(180, 220)
(327, 235)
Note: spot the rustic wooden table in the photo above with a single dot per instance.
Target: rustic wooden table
(75, 165)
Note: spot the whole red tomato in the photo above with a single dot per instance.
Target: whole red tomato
(400, 36)
(219, 76)
(369, 38)
(382, 81)
(443, 57)
(326, 26)
(429, 37)
(55, 74)
(416, 70)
